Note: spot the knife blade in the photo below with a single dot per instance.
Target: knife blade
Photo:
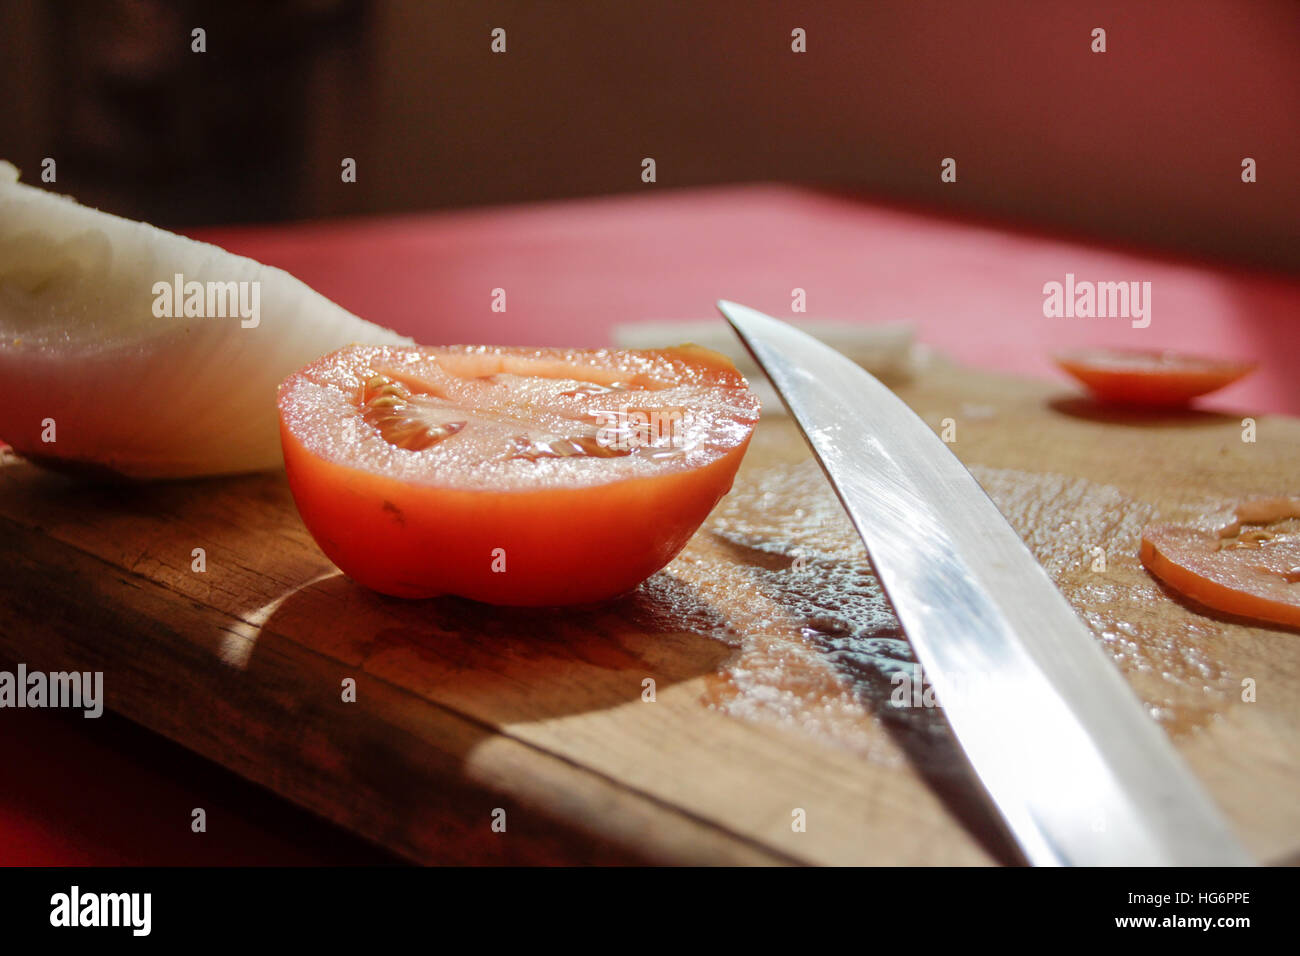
(1076, 768)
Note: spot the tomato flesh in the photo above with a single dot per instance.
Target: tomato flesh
(1150, 378)
(1250, 568)
(511, 475)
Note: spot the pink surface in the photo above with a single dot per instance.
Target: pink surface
(104, 792)
(571, 270)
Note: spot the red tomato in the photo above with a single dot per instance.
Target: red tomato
(1150, 378)
(511, 475)
(1243, 570)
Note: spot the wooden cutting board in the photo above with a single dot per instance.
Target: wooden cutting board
(772, 732)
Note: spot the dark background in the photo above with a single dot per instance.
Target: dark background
(1141, 144)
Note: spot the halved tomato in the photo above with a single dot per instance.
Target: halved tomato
(1149, 377)
(1250, 568)
(511, 475)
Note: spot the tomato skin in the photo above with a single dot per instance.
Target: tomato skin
(627, 532)
(558, 545)
(1134, 377)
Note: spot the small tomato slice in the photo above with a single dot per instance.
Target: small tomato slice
(511, 475)
(1150, 378)
(1251, 568)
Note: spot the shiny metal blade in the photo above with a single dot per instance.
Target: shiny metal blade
(1075, 766)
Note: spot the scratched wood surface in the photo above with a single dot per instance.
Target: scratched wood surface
(777, 667)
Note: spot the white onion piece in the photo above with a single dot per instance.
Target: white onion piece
(126, 390)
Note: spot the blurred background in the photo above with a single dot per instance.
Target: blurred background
(1143, 144)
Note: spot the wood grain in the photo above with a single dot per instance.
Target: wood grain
(765, 700)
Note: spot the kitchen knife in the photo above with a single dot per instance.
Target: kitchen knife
(1076, 768)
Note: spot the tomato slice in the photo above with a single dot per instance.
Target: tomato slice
(511, 475)
(1150, 378)
(1250, 568)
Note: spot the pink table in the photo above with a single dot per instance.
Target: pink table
(572, 270)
